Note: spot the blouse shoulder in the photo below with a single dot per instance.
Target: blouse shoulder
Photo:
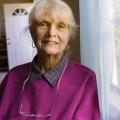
(20, 68)
(17, 71)
(82, 68)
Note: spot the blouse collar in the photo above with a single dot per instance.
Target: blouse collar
(52, 75)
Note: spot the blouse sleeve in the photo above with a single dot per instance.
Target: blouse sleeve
(88, 108)
(3, 109)
(2, 87)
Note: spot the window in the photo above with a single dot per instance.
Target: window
(98, 49)
(115, 83)
(19, 11)
(116, 23)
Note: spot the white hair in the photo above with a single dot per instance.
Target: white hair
(57, 8)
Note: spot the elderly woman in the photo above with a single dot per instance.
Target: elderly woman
(51, 87)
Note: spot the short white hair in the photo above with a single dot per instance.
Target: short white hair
(59, 9)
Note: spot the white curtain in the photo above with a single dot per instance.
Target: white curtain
(96, 41)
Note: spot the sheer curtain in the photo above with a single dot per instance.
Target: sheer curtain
(96, 41)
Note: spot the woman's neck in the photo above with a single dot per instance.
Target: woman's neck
(46, 62)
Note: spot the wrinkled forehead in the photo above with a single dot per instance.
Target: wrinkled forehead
(53, 13)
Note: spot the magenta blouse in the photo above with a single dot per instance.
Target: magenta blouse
(74, 96)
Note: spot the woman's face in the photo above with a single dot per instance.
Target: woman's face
(51, 35)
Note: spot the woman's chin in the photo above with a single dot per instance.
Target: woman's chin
(52, 52)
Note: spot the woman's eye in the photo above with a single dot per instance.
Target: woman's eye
(61, 26)
(43, 25)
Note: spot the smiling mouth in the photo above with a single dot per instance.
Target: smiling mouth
(50, 42)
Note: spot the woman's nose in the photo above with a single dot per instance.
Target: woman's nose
(52, 32)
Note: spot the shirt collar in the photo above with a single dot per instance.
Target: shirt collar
(52, 75)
